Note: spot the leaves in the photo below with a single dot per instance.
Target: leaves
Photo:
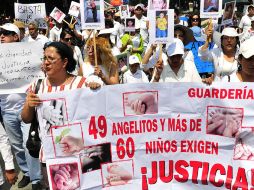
(63, 133)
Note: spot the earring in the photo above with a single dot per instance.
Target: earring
(239, 66)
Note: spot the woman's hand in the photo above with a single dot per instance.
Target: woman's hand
(32, 100)
(98, 72)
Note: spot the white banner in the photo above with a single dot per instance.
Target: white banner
(155, 136)
(29, 12)
(20, 64)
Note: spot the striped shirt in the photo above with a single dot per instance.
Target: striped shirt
(77, 82)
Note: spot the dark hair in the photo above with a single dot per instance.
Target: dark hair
(65, 52)
(191, 17)
(177, 12)
(64, 33)
(237, 43)
(250, 7)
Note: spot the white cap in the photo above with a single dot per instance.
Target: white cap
(133, 59)
(11, 27)
(106, 31)
(246, 48)
(139, 5)
(231, 32)
(175, 48)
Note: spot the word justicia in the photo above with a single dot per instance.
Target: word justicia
(217, 174)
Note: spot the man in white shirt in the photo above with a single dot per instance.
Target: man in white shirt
(177, 69)
(54, 33)
(34, 34)
(134, 74)
(10, 173)
(141, 22)
(245, 22)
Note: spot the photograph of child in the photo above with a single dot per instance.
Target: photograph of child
(122, 61)
(244, 148)
(93, 156)
(124, 9)
(139, 103)
(130, 24)
(229, 11)
(224, 121)
(117, 173)
(64, 176)
(68, 140)
(161, 24)
(158, 4)
(211, 5)
(74, 9)
(57, 14)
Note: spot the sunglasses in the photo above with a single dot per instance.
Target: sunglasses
(7, 33)
(67, 39)
(195, 20)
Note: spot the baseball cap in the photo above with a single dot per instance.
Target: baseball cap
(197, 33)
(229, 31)
(139, 5)
(11, 27)
(246, 48)
(19, 24)
(133, 59)
(175, 48)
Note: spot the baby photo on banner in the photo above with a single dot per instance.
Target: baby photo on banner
(161, 28)
(210, 8)
(92, 14)
(228, 13)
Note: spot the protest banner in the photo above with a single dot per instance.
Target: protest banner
(161, 29)
(20, 65)
(29, 12)
(156, 136)
(210, 8)
(58, 15)
(42, 24)
(92, 14)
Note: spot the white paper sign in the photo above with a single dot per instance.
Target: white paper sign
(151, 136)
(228, 13)
(57, 14)
(20, 64)
(29, 12)
(92, 14)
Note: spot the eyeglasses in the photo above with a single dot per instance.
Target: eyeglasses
(195, 20)
(7, 33)
(68, 39)
(49, 59)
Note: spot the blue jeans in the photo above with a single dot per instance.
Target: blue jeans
(17, 132)
(161, 33)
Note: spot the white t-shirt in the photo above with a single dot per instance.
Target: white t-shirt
(222, 66)
(230, 78)
(40, 38)
(245, 23)
(54, 34)
(141, 23)
(138, 77)
(77, 55)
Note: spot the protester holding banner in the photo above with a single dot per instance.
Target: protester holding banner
(178, 69)
(224, 57)
(17, 130)
(105, 71)
(34, 34)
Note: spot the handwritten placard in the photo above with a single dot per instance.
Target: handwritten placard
(19, 65)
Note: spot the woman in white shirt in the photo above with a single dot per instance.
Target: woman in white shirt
(224, 57)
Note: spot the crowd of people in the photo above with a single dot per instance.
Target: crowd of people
(200, 52)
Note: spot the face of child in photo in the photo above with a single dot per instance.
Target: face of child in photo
(161, 15)
(130, 23)
(158, 4)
